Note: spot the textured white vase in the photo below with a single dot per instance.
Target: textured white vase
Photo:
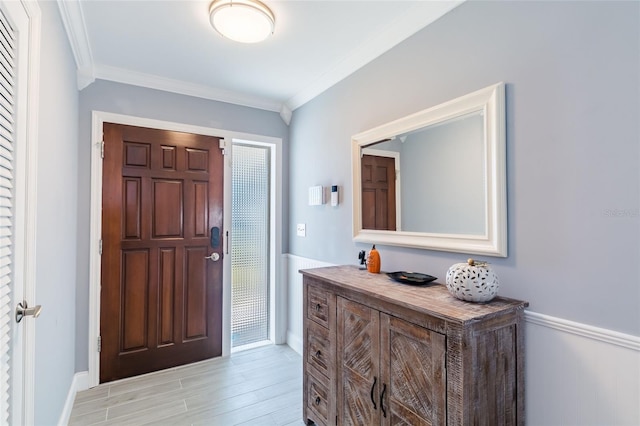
(472, 281)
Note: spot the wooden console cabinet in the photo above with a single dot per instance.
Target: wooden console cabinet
(379, 352)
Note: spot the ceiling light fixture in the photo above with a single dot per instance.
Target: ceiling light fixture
(246, 21)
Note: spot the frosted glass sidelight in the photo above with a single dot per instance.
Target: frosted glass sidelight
(250, 245)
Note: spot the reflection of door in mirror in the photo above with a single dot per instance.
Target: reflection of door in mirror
(378, 193)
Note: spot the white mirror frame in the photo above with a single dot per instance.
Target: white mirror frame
(490, 100)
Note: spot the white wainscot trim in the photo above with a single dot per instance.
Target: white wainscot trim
(577, 374)
(601, 334)
(291, 265)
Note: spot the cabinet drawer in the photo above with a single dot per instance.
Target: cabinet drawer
(319, 350)
(318, 305)
(318, 399)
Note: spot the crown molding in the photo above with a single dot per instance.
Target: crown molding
(416, 18)
(73, 21)
(285, 114)
(150, 81)
(413, 20)
(88, 72)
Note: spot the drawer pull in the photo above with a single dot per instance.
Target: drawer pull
(375, 379)
(318, 400)
(318, 354)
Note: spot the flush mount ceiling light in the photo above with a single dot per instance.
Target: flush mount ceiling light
(246, 21)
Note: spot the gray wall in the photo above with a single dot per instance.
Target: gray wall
(147, 103)
(56, 219)
(572, 71)
(443, 171)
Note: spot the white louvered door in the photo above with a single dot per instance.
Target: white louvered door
(19, 34)
(7, 180)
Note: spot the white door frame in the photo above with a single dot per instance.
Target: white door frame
(98, 120)
(25, 15)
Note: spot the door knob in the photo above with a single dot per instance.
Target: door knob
(213, 256)
(22, 310)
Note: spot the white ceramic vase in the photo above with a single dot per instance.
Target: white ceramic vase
(472, 281)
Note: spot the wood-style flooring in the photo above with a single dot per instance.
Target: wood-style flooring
(261, 386)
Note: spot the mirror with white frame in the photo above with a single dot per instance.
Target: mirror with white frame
(435, 179)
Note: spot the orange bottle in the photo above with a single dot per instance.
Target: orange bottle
(373, 261)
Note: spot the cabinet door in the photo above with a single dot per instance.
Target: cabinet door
(413, 374)
(358, 364)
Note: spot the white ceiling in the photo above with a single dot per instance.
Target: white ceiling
(170, 45)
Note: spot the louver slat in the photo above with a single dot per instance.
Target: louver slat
(8, 45)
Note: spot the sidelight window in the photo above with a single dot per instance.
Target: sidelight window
(250, 218)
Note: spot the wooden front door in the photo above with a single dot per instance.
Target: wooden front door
(378, 192)
(162, 205)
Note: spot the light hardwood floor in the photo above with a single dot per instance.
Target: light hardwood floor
(261, 386)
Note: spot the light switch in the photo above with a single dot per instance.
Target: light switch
(301, 230)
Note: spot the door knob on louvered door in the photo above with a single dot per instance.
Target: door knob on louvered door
(22, 310)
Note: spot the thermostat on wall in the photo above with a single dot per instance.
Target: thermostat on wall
(334, 195)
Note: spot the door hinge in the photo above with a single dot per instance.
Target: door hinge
(99, 343)
(102, 149)
(100, 247)
(223, 146)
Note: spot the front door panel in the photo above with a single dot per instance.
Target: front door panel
(161, 296)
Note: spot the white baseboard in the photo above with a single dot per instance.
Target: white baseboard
(294, 342)
(79, 383)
